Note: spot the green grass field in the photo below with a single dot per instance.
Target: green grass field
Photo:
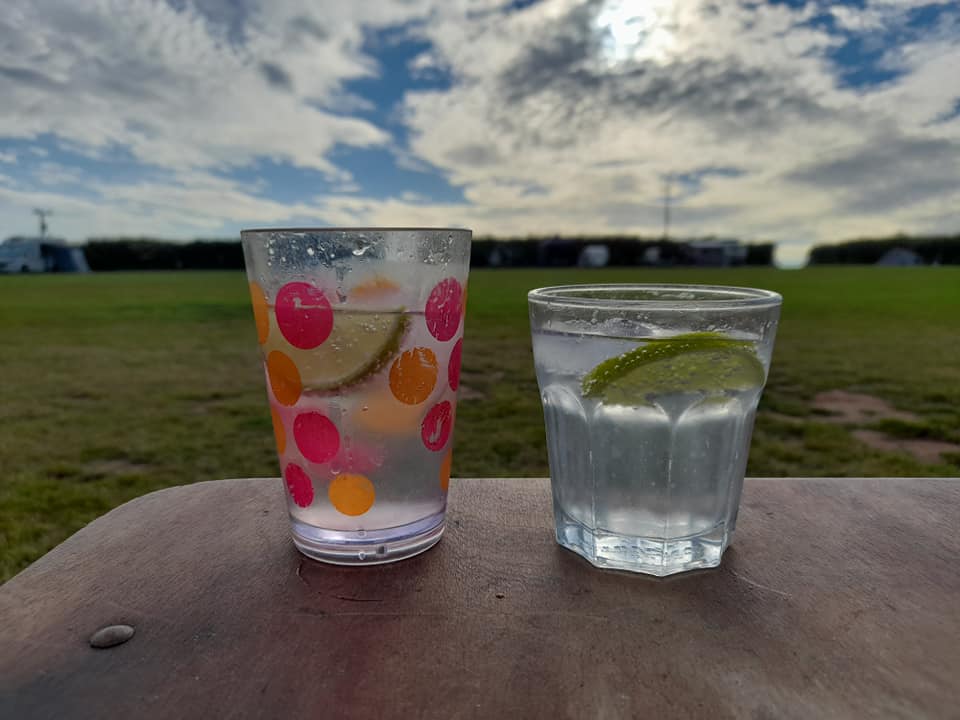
(114, 385)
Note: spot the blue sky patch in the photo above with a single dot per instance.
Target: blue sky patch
(690, 183)
(48, 163)
(394, 49)
(516, 5)
(282, 182)
(860, 63)
(380, 176)
(376, 170)
(867, 59)
(951, 114)
(930, 16)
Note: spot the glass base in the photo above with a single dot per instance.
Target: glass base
(652, 556)
(367, 547)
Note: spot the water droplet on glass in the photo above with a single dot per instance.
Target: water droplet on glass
(362, 246)
(310, 251)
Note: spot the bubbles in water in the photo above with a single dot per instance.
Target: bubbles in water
(361, 555)
(310, 252)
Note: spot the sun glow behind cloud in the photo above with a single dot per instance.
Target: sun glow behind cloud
(637, 31)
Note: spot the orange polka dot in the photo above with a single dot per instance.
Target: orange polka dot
(381, 413)
(375, 288)
(413, 375)
(445, 471)
(284, 378)
(261, 314)
(278, 432)
(351, 494)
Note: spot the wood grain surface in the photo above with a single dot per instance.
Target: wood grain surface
(839, 598)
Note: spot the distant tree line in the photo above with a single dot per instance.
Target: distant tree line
(150, 254)
(942, 250)
(556, 251)
(105, 254)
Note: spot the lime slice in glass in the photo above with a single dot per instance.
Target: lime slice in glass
(702, 363)
(360, 344)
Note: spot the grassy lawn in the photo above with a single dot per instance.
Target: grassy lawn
(118, 384)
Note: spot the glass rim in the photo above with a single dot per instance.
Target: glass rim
(603, 296)
(368, 228)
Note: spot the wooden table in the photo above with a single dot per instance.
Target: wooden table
(839, 598)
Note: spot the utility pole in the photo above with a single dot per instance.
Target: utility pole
(42, 215)
(666, 206)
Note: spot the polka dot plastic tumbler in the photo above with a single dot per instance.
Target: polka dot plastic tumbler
(361, 335)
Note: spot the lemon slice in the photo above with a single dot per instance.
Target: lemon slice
(360, 344)
(704, 363)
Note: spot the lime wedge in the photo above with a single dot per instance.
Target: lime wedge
(706, 363)
(360, 344)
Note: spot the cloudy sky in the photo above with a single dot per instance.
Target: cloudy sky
(801, 121)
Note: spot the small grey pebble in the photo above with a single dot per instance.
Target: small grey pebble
(111, 635)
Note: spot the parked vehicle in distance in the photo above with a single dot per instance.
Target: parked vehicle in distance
(31, 255)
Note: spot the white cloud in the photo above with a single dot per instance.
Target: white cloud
(859, 19)
(562, 117)
(728, 86)
(169, 86)
(423, 64)
(188, 205)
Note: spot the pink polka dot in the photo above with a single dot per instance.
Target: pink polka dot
(443, 309)
(304, 315)
(453, 367)
(437, 425)
(298, 485)
(316, 436)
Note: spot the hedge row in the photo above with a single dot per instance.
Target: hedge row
(105, 254)
(943, 250)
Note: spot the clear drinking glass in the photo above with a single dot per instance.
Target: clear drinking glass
(361, 334)
(649, 394)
